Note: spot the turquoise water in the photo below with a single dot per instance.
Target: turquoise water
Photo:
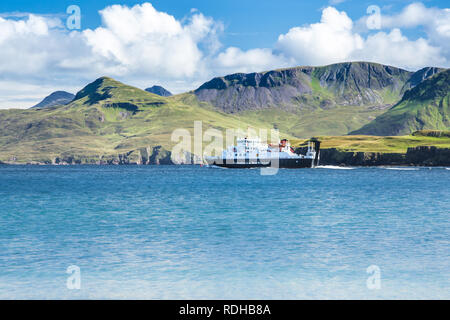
(160, 232)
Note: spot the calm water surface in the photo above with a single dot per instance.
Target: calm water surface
(188, 232)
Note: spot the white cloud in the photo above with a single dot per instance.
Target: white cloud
(235, 60)
(334, 39)
(143, 46)
(417, 14)
(395, 49)
(35, 46)
(135, 44)
(435, 22)
(17, 94)
(335, 2)
(143, 40)
(330, 40)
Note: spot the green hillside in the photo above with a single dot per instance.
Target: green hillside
(304, 101)
(343, 84)
(110, 122)
(383, 144)
(425, 106)
(106, 119)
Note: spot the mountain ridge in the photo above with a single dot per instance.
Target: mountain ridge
(425, 106)
(341, 84)
(160, 91)
(325, 100)
(111, 122)
(54, 99)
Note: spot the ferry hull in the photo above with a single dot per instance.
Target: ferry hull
(282, 163)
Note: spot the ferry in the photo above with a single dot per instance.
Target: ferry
(252, 153)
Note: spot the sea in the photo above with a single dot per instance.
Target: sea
(191, 232)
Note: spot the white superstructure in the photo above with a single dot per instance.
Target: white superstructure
(253, 148)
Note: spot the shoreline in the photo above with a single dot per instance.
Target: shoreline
(421, 156)
(320, 166)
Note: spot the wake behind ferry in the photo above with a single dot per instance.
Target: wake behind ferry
(252, 153)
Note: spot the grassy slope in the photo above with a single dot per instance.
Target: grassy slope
(383, 144)
(426, 106)
(103, 121)
(316, 116)
(307, 123)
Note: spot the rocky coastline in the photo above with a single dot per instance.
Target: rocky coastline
(428, 156)
(418, 156)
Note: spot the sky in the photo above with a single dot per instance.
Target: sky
(180, 44)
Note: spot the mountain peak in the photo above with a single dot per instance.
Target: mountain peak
(108, 90)
(425, 106)
(160, 91)
(341, 84)
(423, 74)
(54, 99)
(96, 90)
(435, 86)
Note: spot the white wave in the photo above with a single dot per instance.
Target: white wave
(216, 167)
(402, 169)
(447, 168)
(335, 167)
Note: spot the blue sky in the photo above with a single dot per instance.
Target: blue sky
(249, 23)
(180, 44)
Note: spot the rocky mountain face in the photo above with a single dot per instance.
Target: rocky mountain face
(57, 98)
(108, 122)
(417, 156)
(421, 75)
(160, 91)
(343, 84)
(425, 106)
(240, 92)
(361, 83)
(114, 94)
(156, 155)
(111, 122)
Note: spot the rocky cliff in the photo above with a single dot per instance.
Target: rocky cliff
(342, 84)
(144, 156)
(425, 106)
(418, 156)
(58, 98)
(156, 155)
(160, 91)
(421, 75)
